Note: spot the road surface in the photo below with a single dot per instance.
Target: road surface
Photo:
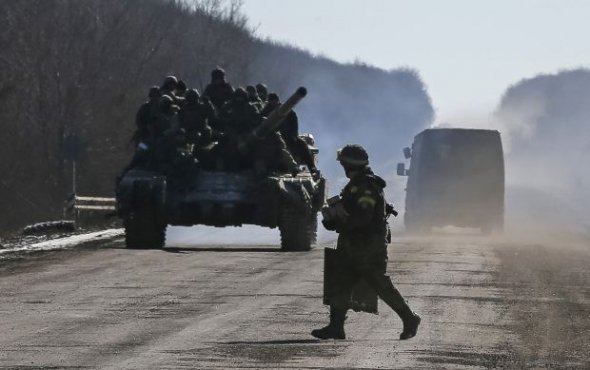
(485, 304)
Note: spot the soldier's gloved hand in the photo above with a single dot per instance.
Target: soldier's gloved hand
(328, 218)
(327, 213)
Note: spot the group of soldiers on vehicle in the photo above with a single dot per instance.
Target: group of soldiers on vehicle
(179, 127)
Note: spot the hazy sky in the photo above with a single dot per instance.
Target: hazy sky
(467, 51)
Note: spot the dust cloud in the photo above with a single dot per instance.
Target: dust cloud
(545, 125)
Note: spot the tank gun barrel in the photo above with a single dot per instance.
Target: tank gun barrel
(273, 121)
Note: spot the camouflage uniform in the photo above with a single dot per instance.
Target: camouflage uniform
(289, 130)
(166, 149)
(238, 115)
(181, 89)
(253, 97)
(166, 118)
(360, 220)
(262, 91)
(194, 118)
(161, 120)
(145, 115)
(169, 88)
(219, 91)
(144, 120)
(272, 155)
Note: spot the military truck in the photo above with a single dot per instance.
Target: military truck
(148, 201)
(456, 178)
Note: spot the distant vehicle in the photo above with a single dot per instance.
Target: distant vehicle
(456, 178)
(148, 201)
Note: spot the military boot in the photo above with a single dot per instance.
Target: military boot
(393, 298)
(410, 326)
(335, 329)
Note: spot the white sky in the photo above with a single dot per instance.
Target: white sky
(467, 51)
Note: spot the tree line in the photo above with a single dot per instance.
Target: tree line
(80, 69)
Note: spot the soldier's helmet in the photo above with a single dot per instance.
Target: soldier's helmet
(262, 89)
(240, 94)
(273, 98)
(192, 96)
(170, 83)
(181, 86)
(154, 92)
(218, 74)
(251, 90)
(353, 155)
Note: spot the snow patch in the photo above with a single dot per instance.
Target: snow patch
(67, 242)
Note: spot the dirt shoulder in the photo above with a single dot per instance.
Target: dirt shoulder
(548, 297)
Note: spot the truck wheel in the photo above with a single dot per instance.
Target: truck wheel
(143, 231)
(298, 229)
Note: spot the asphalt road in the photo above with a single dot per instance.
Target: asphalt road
(485, 304)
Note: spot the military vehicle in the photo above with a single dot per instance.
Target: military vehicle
(148, 201)
(456, 178)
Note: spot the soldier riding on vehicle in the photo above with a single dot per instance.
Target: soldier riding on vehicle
(180, 90)
(262, 91)
(237, 118)
(219, 91)
(289, 130)
(169, 87)
(253, 97)
(146, 114)
(194, 118)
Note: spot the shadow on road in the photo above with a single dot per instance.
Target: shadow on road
(219, 249)
(271, 342)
